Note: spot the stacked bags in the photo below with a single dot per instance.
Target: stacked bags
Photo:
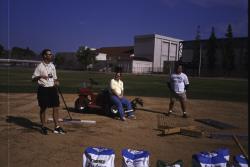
(98, 157)
(240, 161)
(134, 158)
(104, 157)
(217, 158)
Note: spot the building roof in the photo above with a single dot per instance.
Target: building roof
(157, 36)
(141, 59)
(119, 49)
(121, 52)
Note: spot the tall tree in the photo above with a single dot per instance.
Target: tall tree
(29, 54)
(2, 51)
(85, 56)
(17, 53)
(196, 50)
(228, 55)
(211, 50)
(20, 53)
(246, 58)
(59, 59)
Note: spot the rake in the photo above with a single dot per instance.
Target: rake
(71, 120)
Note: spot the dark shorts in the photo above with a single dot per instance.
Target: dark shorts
(47, 97)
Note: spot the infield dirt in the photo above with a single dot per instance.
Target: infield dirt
(23, 145)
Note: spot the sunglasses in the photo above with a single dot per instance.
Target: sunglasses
(49, 54)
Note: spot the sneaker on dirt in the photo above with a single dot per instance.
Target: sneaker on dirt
(168, 113)
(44, 130)
(184, 116)
(59, 130)
(131, 117)
(123, 119)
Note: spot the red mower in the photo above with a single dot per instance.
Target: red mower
(89, 101)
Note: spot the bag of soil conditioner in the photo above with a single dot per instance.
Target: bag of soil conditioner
(218, 158)
(98, 157)
(178, 163)
(240, 161)
(135, 158)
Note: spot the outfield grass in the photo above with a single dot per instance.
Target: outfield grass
(19, 80)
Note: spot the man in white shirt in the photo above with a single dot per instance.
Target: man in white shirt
(178, 85)
(117, 89)
(47, 94)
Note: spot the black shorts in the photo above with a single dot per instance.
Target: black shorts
(47, 97)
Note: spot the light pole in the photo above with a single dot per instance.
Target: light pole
(199, 72)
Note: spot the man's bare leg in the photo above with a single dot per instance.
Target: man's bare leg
(43, 116)
(43, 121)
(58, 129)
(183, 107)
(171, 106)
(55, 115)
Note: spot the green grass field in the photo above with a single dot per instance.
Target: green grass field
(19, 80)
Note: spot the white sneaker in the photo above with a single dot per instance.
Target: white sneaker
(169, 112)
(59, 130)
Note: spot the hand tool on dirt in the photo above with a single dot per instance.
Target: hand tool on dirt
(241, 148)
(60, 92)
(71, 120)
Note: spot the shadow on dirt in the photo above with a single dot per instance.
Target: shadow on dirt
(152, 111)
(92, 111)
(23, 122)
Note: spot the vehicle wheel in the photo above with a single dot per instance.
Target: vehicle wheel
(80, 106)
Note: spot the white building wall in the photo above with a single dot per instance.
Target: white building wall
(141, 66)
(144, 47)
(101, 56)
(173, 51)
(157, 55)
(158, 49)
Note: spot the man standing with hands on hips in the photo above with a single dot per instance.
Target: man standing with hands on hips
(47, 94)
(178, 85)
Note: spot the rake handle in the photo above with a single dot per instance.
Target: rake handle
(59, 90)
(240, 146)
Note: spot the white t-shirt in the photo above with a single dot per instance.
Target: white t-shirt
(116, 86)
(178, 82)
(44, 69)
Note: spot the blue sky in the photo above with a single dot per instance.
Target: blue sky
(64, 25)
